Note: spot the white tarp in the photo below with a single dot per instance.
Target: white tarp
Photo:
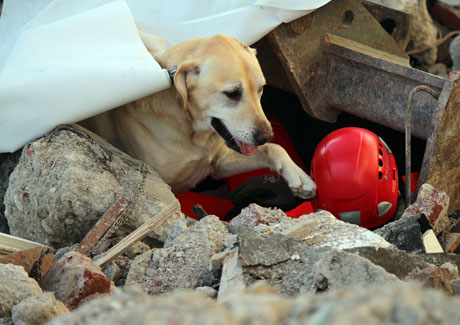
(65, 60)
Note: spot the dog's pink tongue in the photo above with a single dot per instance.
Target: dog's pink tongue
(245, 148)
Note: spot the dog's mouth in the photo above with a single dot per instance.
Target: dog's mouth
(230, 141)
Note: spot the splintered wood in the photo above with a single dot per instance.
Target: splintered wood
(10, 244)
(137, 235)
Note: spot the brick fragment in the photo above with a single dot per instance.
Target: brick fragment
(433, 203)
(74, 278)
(35, 261)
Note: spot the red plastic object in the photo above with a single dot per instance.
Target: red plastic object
(300, 210)
(356, 177)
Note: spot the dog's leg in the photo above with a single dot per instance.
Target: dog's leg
(268, 155)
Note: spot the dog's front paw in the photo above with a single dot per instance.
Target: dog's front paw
(299, 182)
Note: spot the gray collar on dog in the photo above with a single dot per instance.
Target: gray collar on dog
(172, 73)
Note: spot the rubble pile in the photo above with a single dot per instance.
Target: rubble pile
(64, 182)
(261, 267)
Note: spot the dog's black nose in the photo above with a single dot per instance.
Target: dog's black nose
(262, 137)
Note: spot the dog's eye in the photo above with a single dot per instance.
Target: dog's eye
(234, 94)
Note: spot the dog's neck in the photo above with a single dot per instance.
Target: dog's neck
(197, 127)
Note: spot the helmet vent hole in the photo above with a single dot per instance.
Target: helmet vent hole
(380, 175)
(380, 162)
(394, 174)
(380, 152)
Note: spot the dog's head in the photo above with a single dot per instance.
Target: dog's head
(220, 82)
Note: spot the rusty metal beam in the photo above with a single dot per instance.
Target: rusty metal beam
(340, 59)
(396, 23)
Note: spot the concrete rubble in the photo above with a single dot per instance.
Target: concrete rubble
(15, 285)
(261, 267)
(397, 303)
(225, 263)
(76, 178)
(341, 270)
(37, 310)
(228, 261)
(437, 277)
(404, 233)
(183, 262)
(433, 203)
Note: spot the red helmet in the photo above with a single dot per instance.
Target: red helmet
(356, 177)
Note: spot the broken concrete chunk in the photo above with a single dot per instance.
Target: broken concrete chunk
(37, 310)
(217, 260)
(437, 277)
(293, 276)
(431, 243)
(259, 308)
(176, 230)
(184, 262)
(139, 266)
(393, 303)
(340, 270)
(74, 278)
(231, 280)
(323, 229)
(132, 306)
(112, 271)
(207, 292)
(405, 233)
(65, 182)
(15, 286)
(402, 264)
(255, 215)
(433, 203)
(261, 249)
(316, 229)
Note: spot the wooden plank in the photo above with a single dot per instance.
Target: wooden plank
(11, 244)
(137, 235)
(431, 243)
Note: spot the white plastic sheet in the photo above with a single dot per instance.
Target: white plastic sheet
(65, 60)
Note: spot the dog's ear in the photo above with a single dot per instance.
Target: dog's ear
(185, 79)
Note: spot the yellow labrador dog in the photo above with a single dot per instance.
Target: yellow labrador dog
(210, 123)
